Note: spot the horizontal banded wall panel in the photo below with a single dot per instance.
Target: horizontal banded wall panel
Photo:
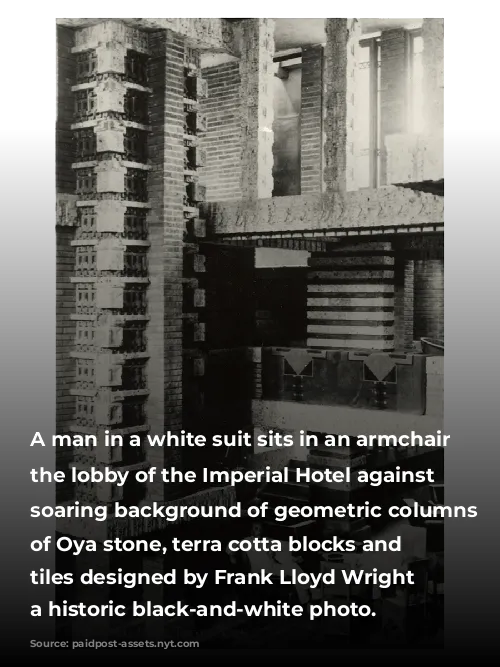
(350, 298)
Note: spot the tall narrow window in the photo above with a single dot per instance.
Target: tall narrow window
(368, 115)
(416, 80)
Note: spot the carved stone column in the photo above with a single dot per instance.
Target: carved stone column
(111, 272)
(341, 58)
(256, 70)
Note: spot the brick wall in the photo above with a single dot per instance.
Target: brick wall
(222, 142)
(394, 89)
(429, 298)
(66, 77)
(311, 127)
(403, 301)
(166, 229)
(65, 328)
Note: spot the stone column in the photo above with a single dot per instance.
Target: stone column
(341, 58)
(256, 72)
(111, 272)
(350, 300)
(433, 63)
(394, 90)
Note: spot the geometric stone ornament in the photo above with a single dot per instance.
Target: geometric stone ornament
(380, 365)
(298, 360)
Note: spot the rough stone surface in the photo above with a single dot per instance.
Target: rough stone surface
(366, 209)
(411, 158)
(341, 58)
(207, 33)
(256, 72)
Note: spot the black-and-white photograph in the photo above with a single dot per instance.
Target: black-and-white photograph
(250, 332)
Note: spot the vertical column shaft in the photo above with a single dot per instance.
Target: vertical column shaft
(394, 89)
(256, 71)
(433, 64)
(111, 273)
(341, 57)
(166, 232)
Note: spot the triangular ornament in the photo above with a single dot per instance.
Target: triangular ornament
(298, 360)
(380, 365)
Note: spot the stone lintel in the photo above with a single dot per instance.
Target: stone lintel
(212, 34)
(389, 206)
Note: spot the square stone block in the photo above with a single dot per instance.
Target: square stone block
(110, 140)
(110, 256)
(110, 216)
(109, 296)
(199, 298)
(109, 336)
(110, 97)
(108, 374)
(110, 177)
(111, 58)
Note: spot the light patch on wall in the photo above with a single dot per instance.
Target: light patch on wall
(266, 258)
